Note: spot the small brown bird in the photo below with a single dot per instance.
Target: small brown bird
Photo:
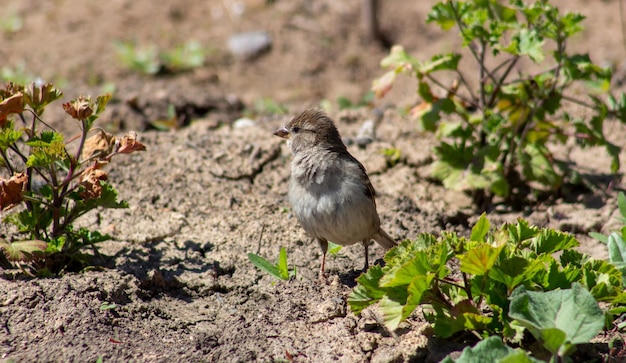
(329, 190)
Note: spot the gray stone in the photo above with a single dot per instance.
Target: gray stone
(249, 45)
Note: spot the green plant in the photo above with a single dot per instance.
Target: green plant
(616, 241)
(475, 285)
(140, 59)
(10, 22)
(18, 74)
(269, 106)
(392, 156)
(496, 130)
(184, 57)
(365, 100)
(492, 349)
(280, 270)
(104, 306)
(148, 60)
(55, 182)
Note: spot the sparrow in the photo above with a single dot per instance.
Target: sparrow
(329, 190)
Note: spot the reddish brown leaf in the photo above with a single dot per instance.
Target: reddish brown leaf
(98, 146)
(24, 251)
(129, 144)
(90, 180)
(79, 108)
(13, 104)
(11, 190)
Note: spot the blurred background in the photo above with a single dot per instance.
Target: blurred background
(172, 62)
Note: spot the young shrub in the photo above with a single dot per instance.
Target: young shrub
(496, 132)
(53, 185)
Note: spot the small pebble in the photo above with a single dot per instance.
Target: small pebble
(249, 45)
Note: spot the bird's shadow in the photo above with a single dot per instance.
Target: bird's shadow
(349, 278)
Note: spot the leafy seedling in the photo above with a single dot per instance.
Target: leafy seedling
(107, 306)
(472, 284)
(140, 59)
(184, 57)
(280, 270)
(333, 248)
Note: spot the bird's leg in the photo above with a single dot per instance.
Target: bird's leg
(324, 246)
(366, 243)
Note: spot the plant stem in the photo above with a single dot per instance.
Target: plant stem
(468, 287)
(496, 89)
(449, 91)
(471, 46)
(7, 163)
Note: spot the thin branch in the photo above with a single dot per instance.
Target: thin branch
(494, 94)
(578, 102)
(471, 46)
(7, 163)
(467, 86)
(482, 76)
(447, 89)
(36, 117)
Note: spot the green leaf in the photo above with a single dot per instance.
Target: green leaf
(617, 248)
(392, 307)
(479, 261)
(417, 288)
(550, 241)
(23, 251)
(440, 62)
(101, 102)
(538, 165)
(367, 292)
(265, 265)
(431, 115)
(621, 204)
(516, 270)
(491, 349)
(480, 229)
(404, 274)
(281, 264)
(442, 14)
(333, 248)
(8, 136)
(531, 44)
(47, 148)
(521, 231)
(574, 311)
(599, 236)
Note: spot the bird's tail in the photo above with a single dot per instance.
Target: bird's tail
(383, 239)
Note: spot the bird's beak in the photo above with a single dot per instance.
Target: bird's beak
(282, 132)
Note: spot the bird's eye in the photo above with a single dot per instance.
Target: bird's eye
(295, 130)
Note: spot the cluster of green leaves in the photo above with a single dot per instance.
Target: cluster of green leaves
(280, 270)
(508, 281)
(53, 186)
(616, 243)
(496, 131)
(10, 22)
(148, 60)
